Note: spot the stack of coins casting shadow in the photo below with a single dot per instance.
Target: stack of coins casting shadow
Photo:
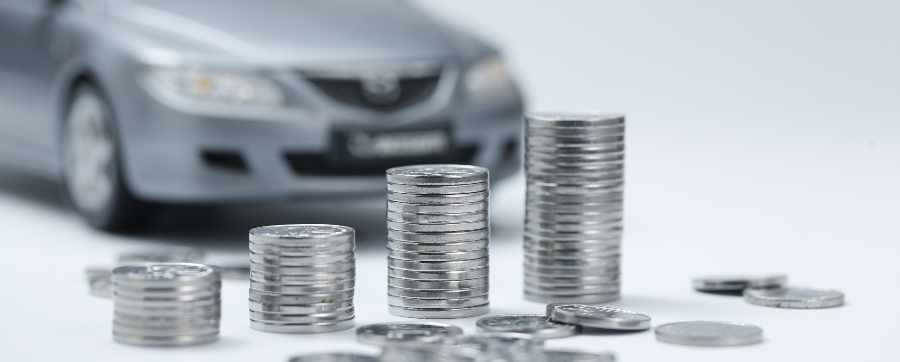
(166, 304)
(438, 236)
(302, 278)
(574, 167)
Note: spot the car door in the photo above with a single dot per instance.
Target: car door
(26, 72)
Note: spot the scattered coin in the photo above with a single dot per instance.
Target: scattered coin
(598, 316)
(384, 334)
(537, 326)
(334, 357)
(737, 283)
(712, 334)
(795, 298)
(495, 346)
(574, 356)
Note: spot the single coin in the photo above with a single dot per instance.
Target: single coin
(568, 119)
(572, 297)
(478, 283)
(302, 261)
(154, 341)
(438, 313)
(99, 281)
(437, 247)
(712, 334)
(502, 345)
(337, 287)
(445, 237)
(334, 357)
(537, 326)
(301, 234)
(163, 255)
(327, 327)
(322, 278)
(438, 199)
(438, 174)
(339, 267)
(313, 247)
(436, 228)
(302, 318)
(452, 275)
(448, 218)
(443, 256)
(449, 294)
(438, 302)
(576, 356)
(795, 298)
(404, 207)
(438, 265)
(165, 274)
(436, 189)
(384, 334)
(598, 316)
(737, 283)
(278, 298)
(332, 307)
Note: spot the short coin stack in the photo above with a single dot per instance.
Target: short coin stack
(574, 166)
(302, 278)
(438, 236)
(166, 304)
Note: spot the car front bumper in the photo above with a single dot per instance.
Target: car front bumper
(174, 155)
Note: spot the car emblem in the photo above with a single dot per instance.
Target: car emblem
(381, 89)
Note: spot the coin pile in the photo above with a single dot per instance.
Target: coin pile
(438, 236)
(574, 167)
(166, 304)
(302, 278)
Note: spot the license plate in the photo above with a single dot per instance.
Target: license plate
(375, 144)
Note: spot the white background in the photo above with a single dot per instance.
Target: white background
(763, 136)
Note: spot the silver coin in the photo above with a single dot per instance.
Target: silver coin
(444, 256)
(436, 228)
(272, 327)
(279, 298)
(575, 131)
(322, 278)
(577, 188)
(302, 261)
(163, 274)
(450, 275)
(299, 234)
(188, 340)
(341, 267)
(438, 313)
(795, 298)
(448, 218)
(437, 247)
(598, 316)
(313, 247)
(467, 302)
(438, 199)
(537, 252)
(446, 237)
(437, 293)
(575, 356)
(99, 281)
(537, 326)
(301, 318)
(334, 357)
(433, 189)
(586, 244)
(168, 303)
(164, 331)
(438, 265)
(404, 207)
(437, 175)
(565, 120)
(502, 346)
(713, 334)
(331, 307)
(173, 311)
(573, 289)
(385, 334)
(426, 352)
(737, 283)
(479, 283)
(598, 298)
(549, 283)
(604, 263)
(572, 270)
(338, 287)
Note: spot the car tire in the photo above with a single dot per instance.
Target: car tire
(93, 166)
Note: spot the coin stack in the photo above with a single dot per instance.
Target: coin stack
(574, 166)
(166, 304)
(438, 236)
(302, 278)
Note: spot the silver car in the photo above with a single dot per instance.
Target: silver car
(139, 102)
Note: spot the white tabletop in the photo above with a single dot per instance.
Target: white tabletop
(761, 138)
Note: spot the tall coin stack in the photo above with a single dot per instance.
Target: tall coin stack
(438, 236)
(166, 304)
(574, 166)
(302, 278)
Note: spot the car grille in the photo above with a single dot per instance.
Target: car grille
(317, 164)
(410, 91)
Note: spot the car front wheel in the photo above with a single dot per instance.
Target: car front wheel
(92, 164)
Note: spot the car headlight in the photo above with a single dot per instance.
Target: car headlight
(489, 78)
(216, 86)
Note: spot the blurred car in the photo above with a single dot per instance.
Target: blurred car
(137, 102)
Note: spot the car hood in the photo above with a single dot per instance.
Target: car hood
(296, 30)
